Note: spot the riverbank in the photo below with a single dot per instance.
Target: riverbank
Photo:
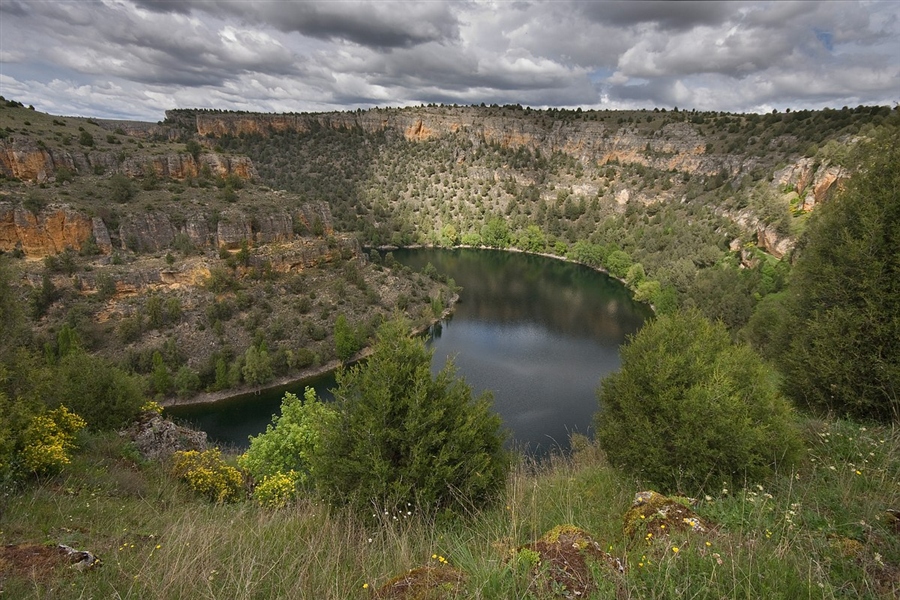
(303, 376)
(312, 373)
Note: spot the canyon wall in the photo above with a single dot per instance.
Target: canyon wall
(58, 227)
(24, 159)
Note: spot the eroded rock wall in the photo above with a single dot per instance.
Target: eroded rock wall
(58, 227)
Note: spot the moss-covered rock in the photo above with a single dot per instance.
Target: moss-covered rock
(567, 563)
(423, 583)
(654, 514)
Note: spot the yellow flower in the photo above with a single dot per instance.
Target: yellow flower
(675, 549)
(365, 586)
(708, 544)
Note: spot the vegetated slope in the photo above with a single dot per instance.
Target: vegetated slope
(175, 262)
(674, 190)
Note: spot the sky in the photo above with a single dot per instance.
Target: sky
(134, 59)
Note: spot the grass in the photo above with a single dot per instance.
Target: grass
(818, 532)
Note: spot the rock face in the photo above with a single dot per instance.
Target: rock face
(51, 231)
(275, 227)
(811, 182)
(146, 232)
(233, 228)
(22, 158)
(58, 227)
(676, 146)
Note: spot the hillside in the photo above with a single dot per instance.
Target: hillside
(176, 263)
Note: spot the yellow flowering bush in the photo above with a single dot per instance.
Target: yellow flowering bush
(207, 474)
(48, 440)
(276, 491)
(152, 406)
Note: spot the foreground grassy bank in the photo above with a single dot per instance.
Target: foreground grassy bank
(821, 531)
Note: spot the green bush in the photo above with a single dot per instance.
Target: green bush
(104, 395)
(843, 319)
(401, 435)
(346, 339)
(208, 475)
(689, 410)
(290, 441)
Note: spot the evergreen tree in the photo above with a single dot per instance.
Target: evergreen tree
(844, 322)
(689, 409)
(402, 435)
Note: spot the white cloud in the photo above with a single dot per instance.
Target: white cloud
(140, 57)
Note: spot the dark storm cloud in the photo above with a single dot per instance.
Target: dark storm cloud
(669, 14)
(373, 24)
(94, 39)
(13, 8)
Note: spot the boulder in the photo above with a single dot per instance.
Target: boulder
(653, 515)
(157, 438)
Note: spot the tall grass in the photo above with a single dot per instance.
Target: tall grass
(818, 532)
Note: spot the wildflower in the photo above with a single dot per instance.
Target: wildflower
(365, 586)
(708, 544)
(675, 549)
(858, 472)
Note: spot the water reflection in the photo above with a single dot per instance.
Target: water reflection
(538, 333)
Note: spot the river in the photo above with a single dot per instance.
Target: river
(538, 333)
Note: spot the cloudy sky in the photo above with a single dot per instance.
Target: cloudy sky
(137, 58)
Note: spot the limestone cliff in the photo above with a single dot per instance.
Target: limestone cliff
(58, 227)
(675, 146)
(23, 158)
(51, 231)
(812, 182)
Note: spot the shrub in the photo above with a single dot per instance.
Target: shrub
(48, 441)
(276, 491)
(843, 318)
(402, 435)
(290, 440)
(346, 339)
(104, 395)
(208, 475)
(689, 409)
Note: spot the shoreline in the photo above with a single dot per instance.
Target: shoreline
(304, 375)
(331, 366)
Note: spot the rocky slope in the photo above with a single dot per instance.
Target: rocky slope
(666, 142)
(28, 160)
